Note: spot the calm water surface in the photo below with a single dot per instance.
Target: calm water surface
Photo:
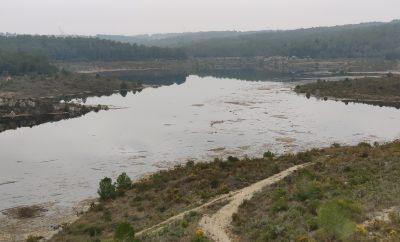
(202, 118)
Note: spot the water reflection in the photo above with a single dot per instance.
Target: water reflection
(374, 103)
(31, 121)
(152, 78)
(250, 74)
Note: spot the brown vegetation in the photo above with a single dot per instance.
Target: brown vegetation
(25, 212)
(384, 91)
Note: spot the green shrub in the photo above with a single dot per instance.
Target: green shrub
(335, 220)
(161, 208)
(32, 238)
(124, 182)
(233, 159)
(304, 156)
(222, 164)
(189, 163)
(124, 232)
(364, 144)
(184, 223)
(93, 231)
(214, 183)
(269, 155)
(197, 238)
(271, 232)
(312, 224)
(308, 191)
(106, 189)
(279, 193)
(280, 205)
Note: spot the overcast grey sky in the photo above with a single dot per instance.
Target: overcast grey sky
(89, 17)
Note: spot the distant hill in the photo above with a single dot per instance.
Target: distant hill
(376, 40)
(84, 48)
(381, 40)
(173, 39)
(367, 40)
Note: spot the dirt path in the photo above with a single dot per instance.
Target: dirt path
(182, 215)
(216, 226)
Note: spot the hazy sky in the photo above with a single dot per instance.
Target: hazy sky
(130, 17)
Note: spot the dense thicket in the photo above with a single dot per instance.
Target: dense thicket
(380, 40)
(81, 48)
(19, 63)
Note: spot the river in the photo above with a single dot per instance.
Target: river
(203, 118)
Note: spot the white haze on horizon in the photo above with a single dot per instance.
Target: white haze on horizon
(130, 17)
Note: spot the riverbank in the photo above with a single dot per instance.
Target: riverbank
(261, 67)
(382, 91)
(30, 100)
(353, 174)
(16, 113)
(62, 85)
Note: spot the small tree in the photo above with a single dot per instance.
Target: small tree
(124, 232)
(124, 182)
(268, 155)
(106, 189)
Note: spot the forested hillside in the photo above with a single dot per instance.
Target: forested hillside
(82, 48)
(370, 40)
(24, 63)
(377, 40)
(381, 40)
(173, 39)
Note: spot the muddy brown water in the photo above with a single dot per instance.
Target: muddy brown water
(61, 162)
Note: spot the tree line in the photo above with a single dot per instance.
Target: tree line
(84, 48)
(20, 63)
(376, 40)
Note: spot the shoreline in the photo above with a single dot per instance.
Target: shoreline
(160, 224)
(49, 225)
(378, 91)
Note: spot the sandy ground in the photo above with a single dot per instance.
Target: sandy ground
(216, 227)
(45, 224)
